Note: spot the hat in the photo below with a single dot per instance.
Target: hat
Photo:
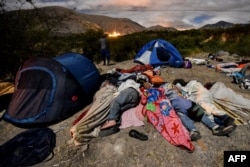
(141, 78)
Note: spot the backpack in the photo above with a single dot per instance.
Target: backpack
(28, 148)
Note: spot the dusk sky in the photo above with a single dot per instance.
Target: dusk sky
(181, 14)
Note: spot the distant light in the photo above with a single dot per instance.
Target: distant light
(114, 34)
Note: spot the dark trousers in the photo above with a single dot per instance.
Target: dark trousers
(127, 99)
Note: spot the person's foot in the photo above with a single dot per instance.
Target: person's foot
(108, 124)
(195, 135)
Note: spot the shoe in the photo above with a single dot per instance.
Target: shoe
(109, 131)
(234, 128)
(223, 131)
(138, 135)
(229, 121)
(195, 135)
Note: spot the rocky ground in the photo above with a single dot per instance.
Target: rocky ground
(120, 149)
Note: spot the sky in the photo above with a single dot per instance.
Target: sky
(181, 14)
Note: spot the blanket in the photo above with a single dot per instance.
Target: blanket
(6, 88)
(162, 116)
(88, 125)
(234, 104)
(132, 117)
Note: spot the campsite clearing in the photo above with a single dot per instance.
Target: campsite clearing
(122, 150)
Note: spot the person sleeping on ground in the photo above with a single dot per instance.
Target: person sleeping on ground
(185, 107)
(128, 96)
(159, 111)
(200, 95)
(87, 125)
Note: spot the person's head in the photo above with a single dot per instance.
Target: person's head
(208, 85)
(141, 78)
(182, 82)
(147, 85)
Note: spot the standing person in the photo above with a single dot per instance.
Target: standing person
(104, 49)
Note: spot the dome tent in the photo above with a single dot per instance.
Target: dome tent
(159, 52)
(48, 90)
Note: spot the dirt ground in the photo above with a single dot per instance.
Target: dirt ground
(120, 150)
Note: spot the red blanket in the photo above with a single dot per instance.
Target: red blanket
(163, 117)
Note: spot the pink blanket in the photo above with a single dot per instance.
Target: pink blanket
(132, 117)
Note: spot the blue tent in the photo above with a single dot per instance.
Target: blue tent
(48, 90)
(159, 52)
(83, 70)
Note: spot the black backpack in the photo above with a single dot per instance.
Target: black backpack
(28, 148)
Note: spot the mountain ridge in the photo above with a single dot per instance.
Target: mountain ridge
(74, 22)
(219, 24)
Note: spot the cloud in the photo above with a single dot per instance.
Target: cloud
(182, 14)
(201, 18)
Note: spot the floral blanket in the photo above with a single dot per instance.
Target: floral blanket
(162, 116)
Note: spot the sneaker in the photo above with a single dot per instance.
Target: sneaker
(234, 128)
(223, 131)
(229, 121)
(195, 135)
(109, 131)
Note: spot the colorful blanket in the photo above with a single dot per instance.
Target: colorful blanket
(163, 117)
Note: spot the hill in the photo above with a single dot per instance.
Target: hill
(161, 28)
(67, 21)
(76, 22)
(220, 24)
(109, 24)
